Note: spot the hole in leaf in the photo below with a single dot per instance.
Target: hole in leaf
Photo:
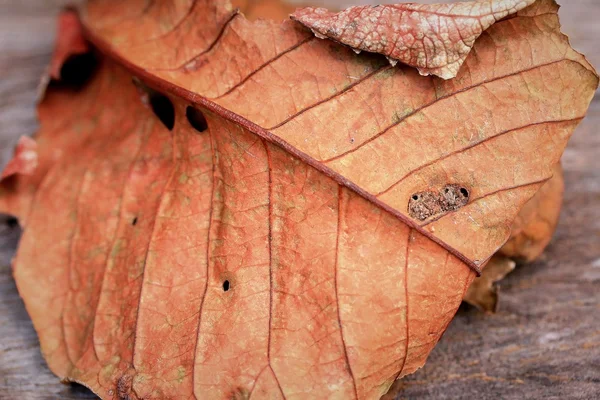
(453, 197)
(134, 221)
(160, 104)
(163, 108)
(196, 119)
(225, 285)
(423, 205)
(78, 69)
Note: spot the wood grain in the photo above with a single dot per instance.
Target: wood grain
(543, 343)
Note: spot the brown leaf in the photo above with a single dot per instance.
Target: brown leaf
(483, 292)
(235, 221)
(434, 38)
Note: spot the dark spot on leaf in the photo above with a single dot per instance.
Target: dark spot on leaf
(196, 119)
(77, 70)
(134, 221)
(225, 285)
(464, 192)
(163, 109)
(160, 104)
(415, 197)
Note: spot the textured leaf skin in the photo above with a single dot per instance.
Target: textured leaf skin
(297, 195)
(434, 38)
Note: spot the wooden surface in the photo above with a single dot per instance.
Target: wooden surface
(543, 343)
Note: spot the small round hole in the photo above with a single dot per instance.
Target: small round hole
(196, 119)
(415, 197)
(163, 109)
(225, 286)
(464, 192)
(134, 221)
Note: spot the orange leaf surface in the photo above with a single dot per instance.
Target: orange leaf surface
(302, 223)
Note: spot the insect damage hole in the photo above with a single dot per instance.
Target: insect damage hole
(134, 221)
(453, 197)
(196, 119)
(225, 285)
(163, 108)
(423, 205)
(160, 104)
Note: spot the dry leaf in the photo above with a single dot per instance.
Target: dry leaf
(434, 38)
(483, 292)
(252, 234)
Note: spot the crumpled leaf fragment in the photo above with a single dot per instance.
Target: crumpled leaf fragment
(242, 229)
(483, 292)
(434, 38)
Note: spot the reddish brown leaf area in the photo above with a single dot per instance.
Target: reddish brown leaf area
(259, 244)
(434, 38)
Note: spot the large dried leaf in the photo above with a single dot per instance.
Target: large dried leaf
(483, 292)
(306, 229)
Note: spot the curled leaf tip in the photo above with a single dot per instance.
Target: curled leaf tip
(434, 38)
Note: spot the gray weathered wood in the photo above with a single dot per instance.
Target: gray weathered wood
(543, 343)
